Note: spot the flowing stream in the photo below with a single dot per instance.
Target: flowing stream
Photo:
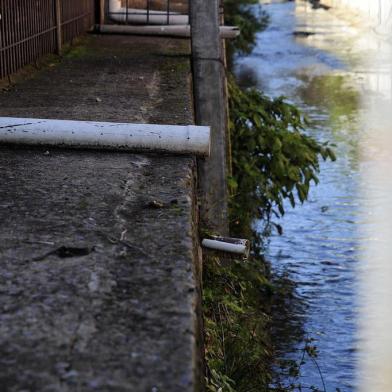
(320, 62)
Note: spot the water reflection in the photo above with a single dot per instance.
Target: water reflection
(334, 246)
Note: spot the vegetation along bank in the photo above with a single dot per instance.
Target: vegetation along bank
(273, 160)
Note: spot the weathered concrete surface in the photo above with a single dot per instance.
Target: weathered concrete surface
(119, 315)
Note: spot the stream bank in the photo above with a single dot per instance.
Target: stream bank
(320, 62)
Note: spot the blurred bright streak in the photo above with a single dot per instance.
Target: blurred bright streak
(375, 372)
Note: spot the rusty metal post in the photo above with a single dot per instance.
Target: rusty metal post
(102, 12)
(59, 38)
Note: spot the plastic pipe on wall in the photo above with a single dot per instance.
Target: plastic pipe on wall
(133, 15)
(184, 31)
(229, 245)
(105, 135)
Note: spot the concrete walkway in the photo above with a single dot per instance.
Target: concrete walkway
(98, 250)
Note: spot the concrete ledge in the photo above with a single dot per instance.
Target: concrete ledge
(98, 251)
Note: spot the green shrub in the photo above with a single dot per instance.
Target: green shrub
(273, 159)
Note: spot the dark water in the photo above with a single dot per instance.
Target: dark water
(321, 70)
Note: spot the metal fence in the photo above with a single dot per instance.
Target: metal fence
(30, 29)
(147, 12)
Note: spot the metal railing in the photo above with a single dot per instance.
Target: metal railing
(147, 12)
(30, 29)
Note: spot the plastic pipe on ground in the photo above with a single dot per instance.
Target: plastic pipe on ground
(183, 31)
(229, 245)
(105, 135)
(133, 15)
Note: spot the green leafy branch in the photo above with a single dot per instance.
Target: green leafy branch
(250, 22)
(273, 158)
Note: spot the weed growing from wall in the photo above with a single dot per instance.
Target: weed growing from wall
(236, 326)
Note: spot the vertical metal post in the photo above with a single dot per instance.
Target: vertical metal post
(126, 12)
(168, 11)
(59, 39)
(148, 11)
(226, 91)
(102, 12)
(210, 109)
(2, 45)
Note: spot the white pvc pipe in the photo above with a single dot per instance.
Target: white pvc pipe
(105, 135)
(133, 15)
(240, 248)
(183, 31)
